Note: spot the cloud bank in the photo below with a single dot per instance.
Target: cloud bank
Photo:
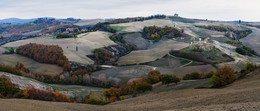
(90, 9)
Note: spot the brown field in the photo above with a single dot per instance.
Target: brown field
(32, 65)
(240, 95)
(86, 42)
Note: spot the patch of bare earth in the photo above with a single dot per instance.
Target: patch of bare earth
(240, 95)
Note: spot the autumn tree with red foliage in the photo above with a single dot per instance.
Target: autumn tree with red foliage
(52, 54)
(32, 93)
(223, 76)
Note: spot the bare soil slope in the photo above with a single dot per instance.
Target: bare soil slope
(241, 95)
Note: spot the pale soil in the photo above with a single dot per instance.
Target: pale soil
(89, 22)
(33, 66)
(86, 43)
(241, 95)
(138, 26)
(137, 40)
(2, 50)
(24, 82)
(156, 51)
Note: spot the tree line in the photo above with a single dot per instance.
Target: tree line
(157, 33)
(52, 54)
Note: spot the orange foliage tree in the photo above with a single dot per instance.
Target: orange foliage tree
(52, 54)
(223, 76)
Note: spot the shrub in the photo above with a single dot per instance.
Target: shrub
(167, 79)
(223, 76)
(195, 75)
(32, 93)
(95, 101)
(152, 79)
(154, 72)
(248, 68)
(113, 99)
(186, 77)
(142, 87)
(241, 50)
(7, 88)
(209, 75)
(61, 35)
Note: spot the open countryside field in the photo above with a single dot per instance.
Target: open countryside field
(156, 51)
(33, 66)
(241, 95)
(138, 26)
(86, 43)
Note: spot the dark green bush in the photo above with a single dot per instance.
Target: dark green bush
(95, 101)
(167, 79)
(142, 87)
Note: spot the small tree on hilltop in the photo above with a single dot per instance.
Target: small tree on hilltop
(223, 76)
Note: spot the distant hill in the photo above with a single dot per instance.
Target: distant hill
(16, 20)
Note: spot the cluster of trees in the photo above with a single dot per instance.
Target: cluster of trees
(36, 94)
(62, 28)
(197, 75)
(140, 85)
(126, 20)
(102, 55)
(156, 33)
(245, 50)
(77, 77)
(52, 54)
(62, 35)
(248, 68)
(7, 88)
(234, 43)
(103, 26)
(117, 38)
(10, 90)
(239, 33)
(10, 69)
(241, 48)
(223, 76)
(218, 28)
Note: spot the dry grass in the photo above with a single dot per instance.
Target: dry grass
(86, 43)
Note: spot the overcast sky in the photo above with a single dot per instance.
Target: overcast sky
(247, 10)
